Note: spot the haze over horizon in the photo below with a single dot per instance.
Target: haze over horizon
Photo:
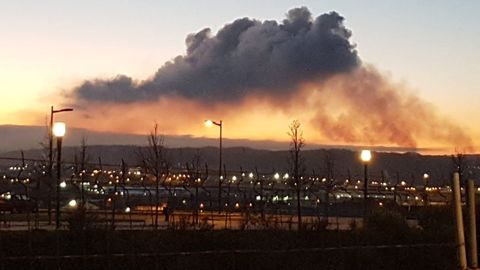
(15, 138)
(318, 64)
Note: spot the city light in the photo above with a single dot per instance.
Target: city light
(72, 203)
(7, 196)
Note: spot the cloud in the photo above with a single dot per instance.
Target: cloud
(246, 56)
(258, 76)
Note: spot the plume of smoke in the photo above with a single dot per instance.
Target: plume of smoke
(364, 106)
(244, 57)
(307, 66)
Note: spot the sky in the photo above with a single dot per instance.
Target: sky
(424, 49)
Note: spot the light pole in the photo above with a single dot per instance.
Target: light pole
(219, 124)
(365, 156)
(58, 131)
(50, 154)
(426, 176)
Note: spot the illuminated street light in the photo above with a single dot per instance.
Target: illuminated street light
(365, 156)
(63, 184)
(426, 176)
(59, 130)
(50, 153)
(210, 123)
(72, 203)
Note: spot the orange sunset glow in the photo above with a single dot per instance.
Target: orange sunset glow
(329, 111)
(341, 99)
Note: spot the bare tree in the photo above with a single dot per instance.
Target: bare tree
(47, 178)
(329, 163)
(81, 169)
(197, 182)
(156, 164)
(143, 179)
(297, 164)
(460, 165)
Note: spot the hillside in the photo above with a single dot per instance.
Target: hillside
(410, 166)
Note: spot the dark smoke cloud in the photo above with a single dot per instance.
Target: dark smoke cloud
(244, 57)
(258, 64)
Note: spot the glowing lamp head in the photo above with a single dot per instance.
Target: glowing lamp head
(63, 184)
(425, 176)
(208, 123)
(366, 155)
(59, 129)
(72, 203)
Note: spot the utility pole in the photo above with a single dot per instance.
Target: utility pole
(472, 226)
(460, 236)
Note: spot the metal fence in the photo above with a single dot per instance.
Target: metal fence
(418, 256)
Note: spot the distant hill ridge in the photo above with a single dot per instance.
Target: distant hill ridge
(410, 166)
(14, 137)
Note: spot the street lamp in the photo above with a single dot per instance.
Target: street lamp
(50, 153)
(58, 129)
(51, 132)
(365, 156)
(72, 203)
(426, 176)
(219, 124)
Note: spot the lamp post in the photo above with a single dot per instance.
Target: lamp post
(219, 124)
(50, 154)
(58, 131)
(365, 156)
(426, 176)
